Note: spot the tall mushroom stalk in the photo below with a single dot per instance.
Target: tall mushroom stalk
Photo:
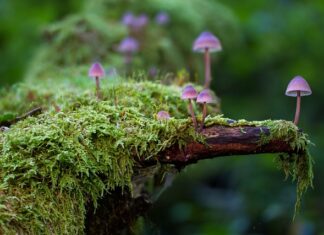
(206, 43)
(97, 72)
(207, 69)
(190, 93)
(296, 119)
(204, 98)
(298, 87)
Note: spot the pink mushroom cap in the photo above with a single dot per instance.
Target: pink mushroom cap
(298, 83)
(205, 97)
(96, 70)
(189, 92)
(207, 40)
(163, 115)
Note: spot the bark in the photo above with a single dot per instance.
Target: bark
(225, 141)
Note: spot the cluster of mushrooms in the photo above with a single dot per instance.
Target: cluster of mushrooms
(136, 26)
(205, 43)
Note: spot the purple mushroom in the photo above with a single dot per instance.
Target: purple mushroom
(206, 43)
(163, 115)
(128, 19)
(298, 87)
(204, 98)
(190, 93)
(97, 72)
(128, 47)
(162, 18)
(153, 72)
(140, 22)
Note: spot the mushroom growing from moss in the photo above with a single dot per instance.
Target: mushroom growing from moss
(190, 93)
(163, 115)
(128, 47)
(97, 72)
(206, 43)
(204, 98)
(298, 87)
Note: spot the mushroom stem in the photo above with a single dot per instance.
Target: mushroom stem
(297, 108)
(97, 87)
(204, 116)
(194, 120)
(207, 69)
(128, 62)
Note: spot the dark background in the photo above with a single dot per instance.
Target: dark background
(266, 43)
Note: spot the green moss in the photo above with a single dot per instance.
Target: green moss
(54, 164)
(299, 166)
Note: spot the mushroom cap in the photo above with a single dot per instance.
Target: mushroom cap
(163, 115)
(205, 97)
(128, 45)
(162, 18)
(96, 70)
(140, 22)
(189, 92)
(128, 19)
(298, 83)
(207, 40)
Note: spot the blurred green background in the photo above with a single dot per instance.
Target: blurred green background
(266, 43)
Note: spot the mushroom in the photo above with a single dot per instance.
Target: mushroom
(128, 19)
(163, 115)
(97, 72)
(204, 98)
(162, 18)
(298, 86)
(205, 43)
(190, 93)
(128, 47)
(140, 22)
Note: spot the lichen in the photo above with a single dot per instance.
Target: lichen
(54, 164)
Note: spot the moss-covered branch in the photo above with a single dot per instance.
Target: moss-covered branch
(57, 165)
(226, 141)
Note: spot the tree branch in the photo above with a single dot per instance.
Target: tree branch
(226, 141)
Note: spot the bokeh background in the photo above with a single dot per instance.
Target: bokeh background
(265, 44)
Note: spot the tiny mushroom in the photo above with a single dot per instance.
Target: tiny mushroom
(163, 115)
(204, 98)
(298, 87)
(190, 93)
(97, 72)
(128, 19)
(128, 47)
(162, 18)
(142, 20)
(205, 43)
